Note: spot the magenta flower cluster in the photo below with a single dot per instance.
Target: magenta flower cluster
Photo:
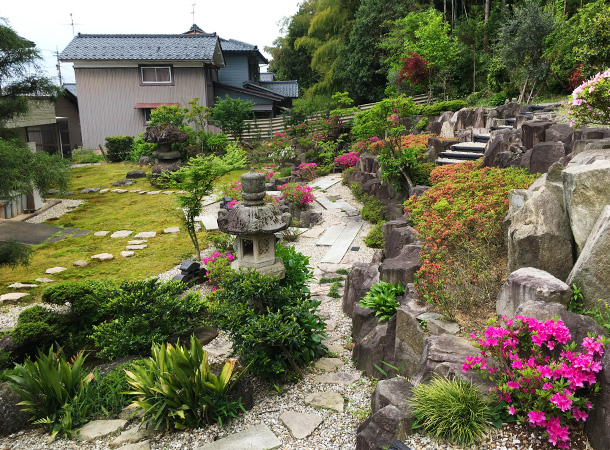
(217, 264)
(362, 146)
(280, 140)
(540, 377)
(214, 256)
(307, 171)
(347, 160)
(297, 194)
(299, 130)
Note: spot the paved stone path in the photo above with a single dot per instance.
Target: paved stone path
(342, 243)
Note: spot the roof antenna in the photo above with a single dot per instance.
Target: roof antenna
(72, 23)
(193, 13)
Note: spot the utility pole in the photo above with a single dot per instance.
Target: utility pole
(58, 66)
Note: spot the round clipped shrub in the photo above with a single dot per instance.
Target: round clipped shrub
(38, 327)
(451, 409)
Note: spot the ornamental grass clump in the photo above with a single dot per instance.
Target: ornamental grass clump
(539, 375)
(459, 219)
(451, 409)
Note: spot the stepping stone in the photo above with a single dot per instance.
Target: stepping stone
(101, 233)
(344, 206)
(329, 364)
(209, 222)
(219, 348)
(153, 192)
(299, 424)
(89, 190)
(137, 242)
(121, 234)
(326, 203)
(44, 280)
(134, 191)
(172, 230)
(325, 182)
(136, 247)
(101, 428)
(142, 192)
(313, 233)
(11, 298)
(22, 286)
(331, 235)
(183, 192)
(328, 400)
(207, 200)
(119, 191)
(127, 253)
(342, 244)
(145, 235)
(144, 445)
(259, 437)
(336, 348)
(168, 192)
(338, 378)
(132, 436)
(80, 263)
(81, 233)
(103, 256)
(103, 191)
(330, 326)
(53, 270)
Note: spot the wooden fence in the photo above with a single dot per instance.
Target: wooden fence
(264, 128)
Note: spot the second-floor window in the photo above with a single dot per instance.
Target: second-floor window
(156, 75)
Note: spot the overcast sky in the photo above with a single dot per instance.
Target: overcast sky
(48, 23)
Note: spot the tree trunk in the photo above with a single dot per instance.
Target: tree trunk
(487, 12)
(474, 68)
(522, 93)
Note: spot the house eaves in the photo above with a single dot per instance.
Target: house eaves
(235, 46)
(203, 48)
(262, 93)
(286, 88)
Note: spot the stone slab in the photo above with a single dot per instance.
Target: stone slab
(132, 436)
(136, 247)
(28, 233)
(80, 263)
(44, 280)
(81, 233)
(329, 364)
(100, 428)
(153, 192)
(101, 233)
(206, 201)
(342, 244)
(331, 235)
(103, 256)
(325, 203)
(145, 235)
(53, 270)
(127, 253)
(172, 230)
(144, 445)
(338, 378)
(209, 222)
(12, 297)
(344, 206)
(325, 182)
(313, 232)
(137, 242)
(259, 437)
(103, 191)
(121, 234)
(22, 286)
(328, 400)
(299, 424)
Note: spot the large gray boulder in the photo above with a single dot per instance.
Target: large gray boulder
(580, 326)
(375, 346)
(500, 142)
(357, 284)
(558, 132)
(383, 427)
(398, 239)
(508, 110)
(587, 192)
(390, 226)
(403, 267)
(534, 132)
(444, 355)
(597, 426)
(544, 154)
(530, 284)
(409, 341)
(12, 419)
(539, 236)
(592, 269)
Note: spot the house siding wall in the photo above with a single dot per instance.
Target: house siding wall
(235, 72)
(65, 108)
(107, 98)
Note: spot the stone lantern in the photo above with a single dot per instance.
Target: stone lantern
(254, 224)
(165, 135)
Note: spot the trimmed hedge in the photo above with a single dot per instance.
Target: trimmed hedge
(118, 147)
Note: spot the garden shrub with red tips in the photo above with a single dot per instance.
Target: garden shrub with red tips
(459, 219)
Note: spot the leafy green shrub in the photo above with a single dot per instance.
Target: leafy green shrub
(374, 210)
(374, 238)
(273, 325)
(373, 122)
(285, 172)
(85, 155)
(436, 108)
(53, 391)
(38, 327)
(230, 115)
(499, 98)
(346, 175)
(451, 409)
(296, 264)
(222, 241)
(140, 148)
(107, 394)
(215, 143)
(118, 147)
(381, 298)
(13, 254)
(177, 389)
(144, 312)
(422, 124)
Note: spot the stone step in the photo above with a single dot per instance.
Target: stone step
(331, 235)
(500, 127)
(259, 437)
(325, 182)
(481, 138)
(342, 244)
(209, 222)
(465, 156)
(510, 121)
(339, 204)
(445, 161)
(477, 147)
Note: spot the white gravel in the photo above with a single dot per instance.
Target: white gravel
(56, 211)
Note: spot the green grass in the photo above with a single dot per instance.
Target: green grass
(112, 212)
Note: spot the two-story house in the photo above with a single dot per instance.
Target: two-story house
(121, 78)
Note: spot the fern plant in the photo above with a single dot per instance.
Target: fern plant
(177, 389)
(381, 298)
(53, 390)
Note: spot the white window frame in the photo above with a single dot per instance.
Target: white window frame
(169, 68)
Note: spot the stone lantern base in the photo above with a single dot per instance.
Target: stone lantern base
(273, 270)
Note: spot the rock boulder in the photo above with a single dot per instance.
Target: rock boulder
(12, 419)
(357, 284)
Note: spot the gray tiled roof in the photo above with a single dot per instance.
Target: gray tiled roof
(233, 45)
(71, 88)
(285, 88)
(153, 47)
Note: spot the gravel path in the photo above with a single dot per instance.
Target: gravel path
(338, 429)
(56, 211)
